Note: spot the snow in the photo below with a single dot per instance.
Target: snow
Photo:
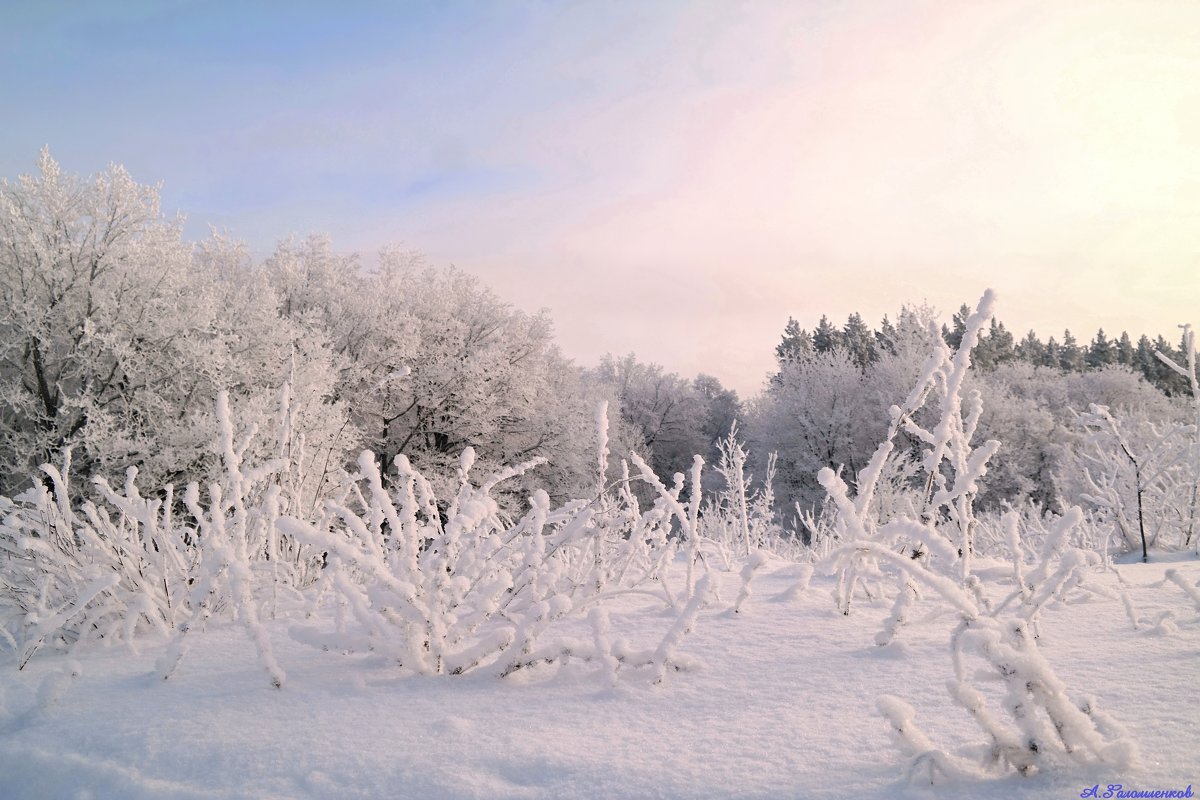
(783, 700)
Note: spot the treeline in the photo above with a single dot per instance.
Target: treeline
(828, 402)
(997, 346)
(117, 334)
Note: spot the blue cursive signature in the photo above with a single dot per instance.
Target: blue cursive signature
(1119, 791)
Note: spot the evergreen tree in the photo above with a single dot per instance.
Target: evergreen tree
(858, 339)
(1052, 356)
(826, 337)
(1071, 357)
(954, 335)
(796, 342)
(1144, 360)
(1161, 345)
(1101, 352)
(1125, 353)
(995, 348)
(1031, 350)
(886, 336)
(1005, 342)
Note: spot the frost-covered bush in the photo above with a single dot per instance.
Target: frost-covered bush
(470, 589)
(931, 554)
(1136, 474)
(951, 466)
(126, 564)
(102, 572)
(438, 587)
(1034, 722)
(1136, 465)
(739, 519)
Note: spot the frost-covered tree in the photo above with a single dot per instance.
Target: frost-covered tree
(116, 335)
(1101, 352)
(432, 361)
(266, 351)
(1124, 350)
(82, 264)
(885, 337)
(821, 414)
(826, 336)
(1031, 350)
(674, 419)
(859, 341)
(795, 342)
(1070, 356)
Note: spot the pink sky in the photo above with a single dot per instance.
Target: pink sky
(892, 153)
(672, 179)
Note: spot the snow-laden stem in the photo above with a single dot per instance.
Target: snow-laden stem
(934, 552)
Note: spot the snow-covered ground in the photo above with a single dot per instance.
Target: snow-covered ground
(782, 705)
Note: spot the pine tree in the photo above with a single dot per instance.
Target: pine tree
(860, 341)
(1125, 354)
(1101, 352)
(886, 336)
(998, 344)
(1144, 360)
(1052, 356)
(954, 335)
(1031, 350)
(796, 342)
(1071, 358)
(826, 337)
(1161, 345)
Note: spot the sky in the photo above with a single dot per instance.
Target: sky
(673, 179)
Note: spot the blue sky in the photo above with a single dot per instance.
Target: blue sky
(674, 179)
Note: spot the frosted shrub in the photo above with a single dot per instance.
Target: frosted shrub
(468, 589)
(730, 514)
(127, 564)
(1141, 475)
(232, 532)
(1136, 475)
(420, 591)
(951, 467)
(439, 588)
(102, 572)
(243, 563)
(1191, 536)
(739, 520)
(1038, 724)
